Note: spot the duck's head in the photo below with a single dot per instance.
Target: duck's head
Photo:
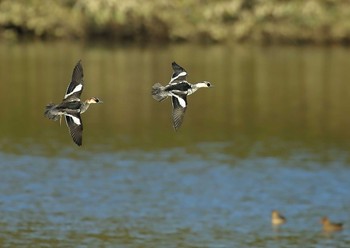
(204, 84)
(93, 100)
(324, 220)
(275, 213)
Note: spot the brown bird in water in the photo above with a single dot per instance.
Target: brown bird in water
(328, 226)
(277, 219)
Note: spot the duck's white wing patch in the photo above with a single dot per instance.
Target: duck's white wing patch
(178, 78)
(178, 110)
(77, 89)
(181, 99)
(179, 74)
(75, 127)
(76, 119)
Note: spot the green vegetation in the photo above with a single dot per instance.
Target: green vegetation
(287, 21)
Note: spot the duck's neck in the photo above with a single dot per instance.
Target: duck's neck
(201, 85)
(84, 106)
(196, 86)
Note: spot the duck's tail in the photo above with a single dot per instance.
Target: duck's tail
(51, 112)
(158, 92)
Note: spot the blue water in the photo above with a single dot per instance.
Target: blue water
(272, 134)
(171, 198)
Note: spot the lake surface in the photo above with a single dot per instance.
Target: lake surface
(273, 133)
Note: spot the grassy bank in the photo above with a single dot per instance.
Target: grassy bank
(277, 21)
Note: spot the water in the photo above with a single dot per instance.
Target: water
(272, 134)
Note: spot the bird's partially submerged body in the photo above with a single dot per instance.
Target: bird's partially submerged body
(277, 219)
(329, 226)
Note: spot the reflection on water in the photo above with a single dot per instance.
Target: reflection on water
(272, 133)
(297, 95)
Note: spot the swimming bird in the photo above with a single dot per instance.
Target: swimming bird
(178, 89)
(277, 219)
(71, 106)
(328, 226)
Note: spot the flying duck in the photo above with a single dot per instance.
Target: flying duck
(178, 89)
(71, 106)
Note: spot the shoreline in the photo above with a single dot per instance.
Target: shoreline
(323, 22)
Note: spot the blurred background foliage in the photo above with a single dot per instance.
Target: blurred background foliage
(272, 21)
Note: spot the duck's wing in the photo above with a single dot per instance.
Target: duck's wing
(75, 88)
(75, 127)
(179, 102)
(179, 74)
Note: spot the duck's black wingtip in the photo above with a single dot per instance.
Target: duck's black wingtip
(78, 142)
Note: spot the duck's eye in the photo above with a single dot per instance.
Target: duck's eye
(208, 84)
